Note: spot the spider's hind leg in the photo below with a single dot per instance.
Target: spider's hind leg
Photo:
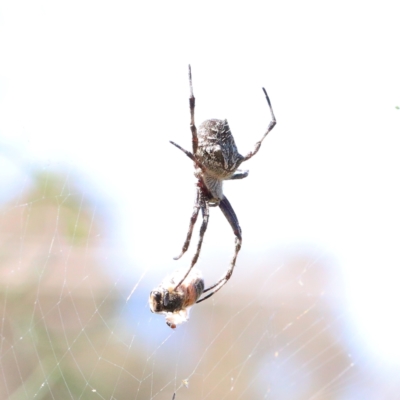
(230, 215)
(201, 203)
(193, 220)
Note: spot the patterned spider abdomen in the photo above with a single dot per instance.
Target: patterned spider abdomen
(218, 153)
(217, 149)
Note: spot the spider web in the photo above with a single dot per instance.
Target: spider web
(68, 330)
(95, 202)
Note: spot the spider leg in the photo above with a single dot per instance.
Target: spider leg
(230, 215)
(192, 101)
(270, 127)
(205, 212)
(193, 220)
(193, 128)
(190, 155)
(238, 174)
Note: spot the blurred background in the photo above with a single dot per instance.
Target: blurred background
(95, 202)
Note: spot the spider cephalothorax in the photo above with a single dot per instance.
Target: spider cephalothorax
(216, 159)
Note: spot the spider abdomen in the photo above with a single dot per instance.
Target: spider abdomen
(217, 150)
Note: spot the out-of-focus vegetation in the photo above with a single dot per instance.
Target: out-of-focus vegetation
(67, 331)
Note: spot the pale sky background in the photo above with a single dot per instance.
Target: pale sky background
(99, 88)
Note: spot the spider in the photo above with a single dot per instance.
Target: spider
(215, 159)
(175, 301)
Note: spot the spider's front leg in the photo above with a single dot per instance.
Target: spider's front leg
(230, 215)
(269, 129)
(192, 102)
